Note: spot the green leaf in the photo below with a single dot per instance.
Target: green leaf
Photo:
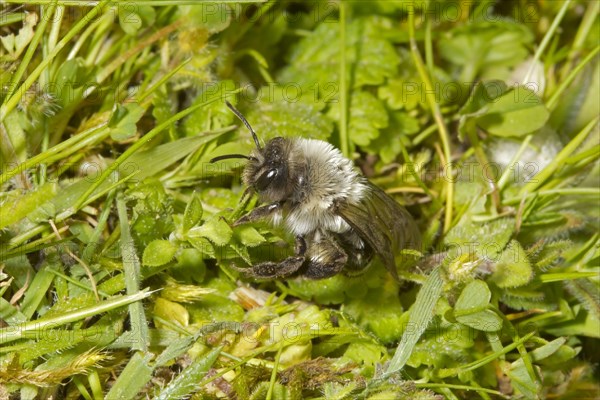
(159, 252)
(249, 236)
(17, 206)
(217, 230)
(389, 143)
(367, 117)
(471, 308)
(16, 126)
(217, 306)
(314, 61)
(152, 212)
(193, 213)
(379, 311)
(513, 267)
(402, 93)
(170, 311)
(70, 80)
(190, 265)
(474, 298)
(289, 119)
(481, 47)
(514, 114)
(364, 352)
(476, 105)
(482, 95)
(522, 381)
(486, 320)
(584, 324)
(16, 44)
(202, 245)
(212, 16)
(132, 16)
(587, 291)
(338, 288)
(486, 240)
(546, 350)
(332, 290)
(123, 122)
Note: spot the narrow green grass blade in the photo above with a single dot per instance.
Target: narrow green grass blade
(564, 85)
(65, 198)
(135, 375)
(187, 381)
(90, 249)
(152, 161)
(36, 245)
(131, 266)
(37, 291)
(58, 340)
(421, 315)
(10, 314)
(16, 332)
(175, 349)
(16, 209)
(566, 276)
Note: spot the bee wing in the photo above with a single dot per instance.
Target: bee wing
(384, 224)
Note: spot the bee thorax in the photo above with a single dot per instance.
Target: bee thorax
(322, 176)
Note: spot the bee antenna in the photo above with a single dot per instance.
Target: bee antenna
(228, 156)
(245, 121)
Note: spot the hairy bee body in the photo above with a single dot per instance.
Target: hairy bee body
(340, 220)
(317, 175)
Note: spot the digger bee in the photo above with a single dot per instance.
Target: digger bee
(340, 220)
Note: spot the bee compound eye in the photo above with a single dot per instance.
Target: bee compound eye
(265, 179)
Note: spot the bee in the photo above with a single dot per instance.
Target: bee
(339, 219)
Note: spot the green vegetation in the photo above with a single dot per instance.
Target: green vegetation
(118, 260)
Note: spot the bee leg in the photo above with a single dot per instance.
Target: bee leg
(359, 254)
(300, 248)
(259, 213)
(325, 259)
(273, 270)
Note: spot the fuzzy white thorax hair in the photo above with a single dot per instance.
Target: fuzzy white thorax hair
(328, 177)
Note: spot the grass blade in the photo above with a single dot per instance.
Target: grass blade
(135, 375)
(421, 315)
(16, 332)
(187, 381)
(131, 266)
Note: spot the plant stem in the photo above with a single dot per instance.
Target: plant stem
(437, 115)
(344, 141)
(546, 40)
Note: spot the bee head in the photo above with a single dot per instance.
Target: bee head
(267, 170)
